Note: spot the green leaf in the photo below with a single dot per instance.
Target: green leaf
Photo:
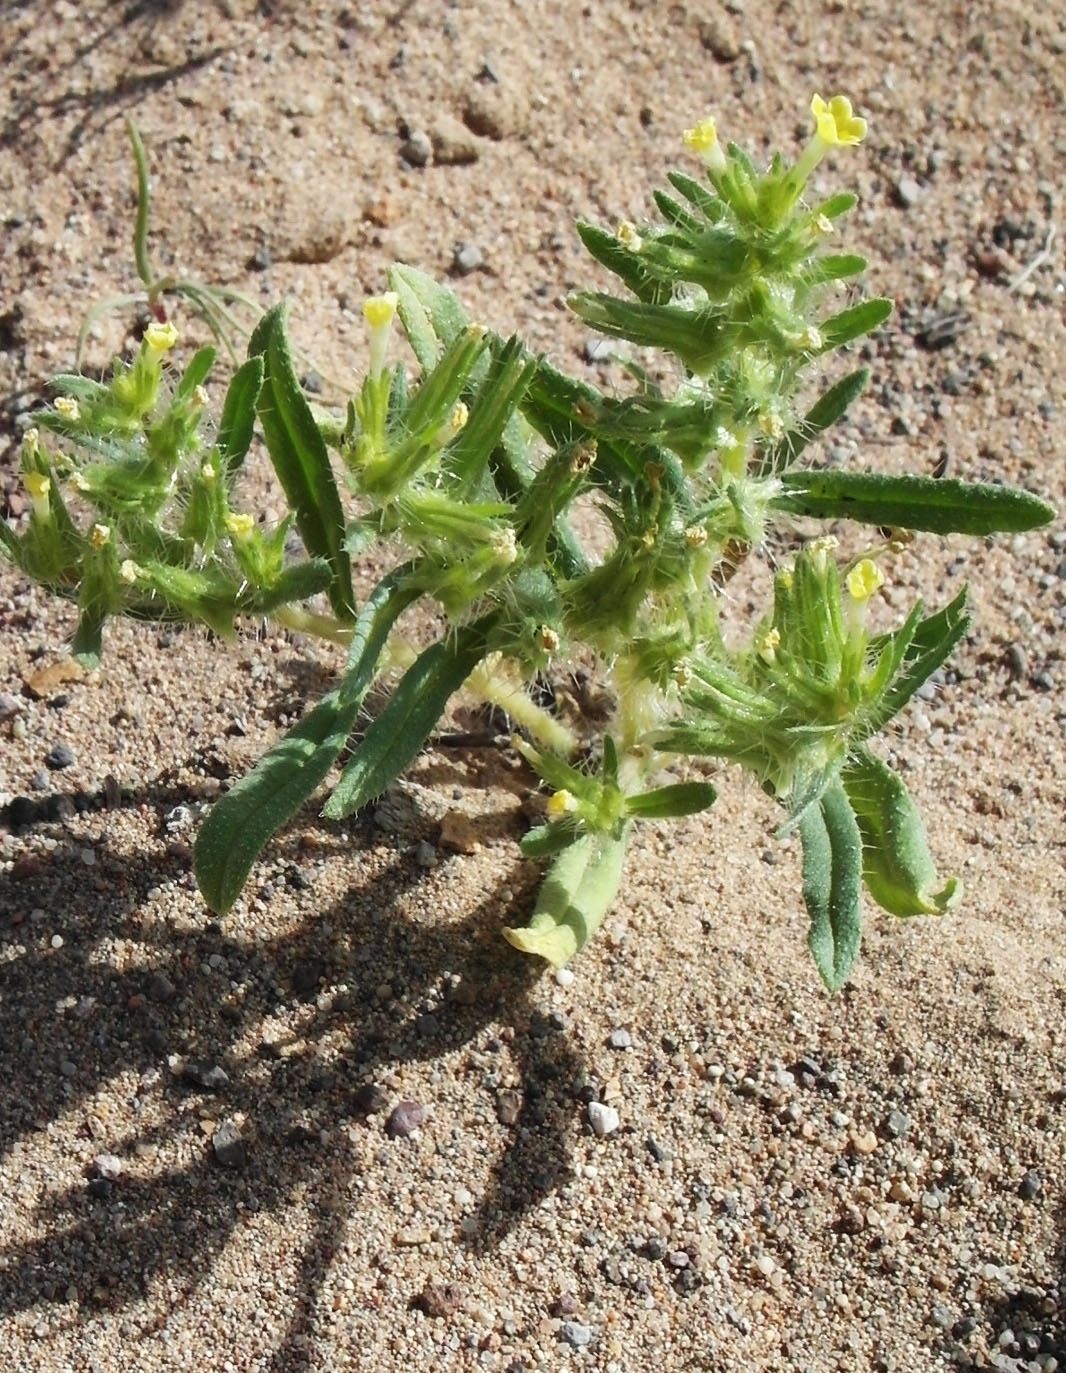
(822, 415)
(698, 195)
(932, 642)
(832, 883)
(195, 374)
(939, 506)
(854, 322)
(623, 262)
(545, 841)
(300, 459)
(897, 866)
(663, 803)
(836, 205)
(417, 703)
(296, 583)
(431, 315)
(238, 414)
(574, 898)
(240, 824)
(833, 267)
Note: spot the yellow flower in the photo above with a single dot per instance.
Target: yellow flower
(702, 138)
(160, 338)
(548, 639)
(101, 535)
(240, 526)
(835, 123)
(864, 579)
(561, 803)
(695, 536)
(768, 647)
(38, 485)
(67, 407)
(628, 237)
(130, 571)
(378, 312)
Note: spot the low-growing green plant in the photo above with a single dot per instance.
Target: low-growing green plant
(467, 474)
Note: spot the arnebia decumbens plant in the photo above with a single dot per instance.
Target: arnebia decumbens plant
(466, 474)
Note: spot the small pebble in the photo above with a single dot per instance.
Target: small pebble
(107, 1166)
(619, 1039)
(1031, 1185)
(405, 1118)
(228, 1145)
(576, 1335)
(603, 1119)
(417, 148)
(61, 756)
(908, 192)
(160, 987)
(564, 977)
(467, 258)
(598, 349)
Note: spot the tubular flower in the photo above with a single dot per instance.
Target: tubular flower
(864, 579)
(561, 803)
(67, 407)
(38, 485)
(835, 123)
(702, 138)
(240, 526)
(160, 338)
(378, 312)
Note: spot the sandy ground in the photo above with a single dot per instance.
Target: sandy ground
(873, 1181)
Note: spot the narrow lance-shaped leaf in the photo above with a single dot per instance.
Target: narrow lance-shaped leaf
(300, 458)
(396, 735)
(623, 262)
(897, 866)
(932, 641)
(195, 373)
(854, 322)
(824, 413)
(937, 506)
(662, 803)
(431, 315)
(238, 414)
(575, 896)
(832, 884)
(240, 824)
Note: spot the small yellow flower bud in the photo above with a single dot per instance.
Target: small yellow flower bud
(78, 482)
(561, 803)
(31, 441)
(824, 224)
(100, 536)
(864, 579)
(209, 472)
(68, 407)
(547, 638)
(160, 338)
(130, 571)
(503, 545)
(38, 485)
(835, 123)
(768, 647)
(627, 236)
(200, 396)
(702, 138)
(771, 425)
(681, 673)
(459, 416)
(695, 536)
(240, 526)
(810, 338)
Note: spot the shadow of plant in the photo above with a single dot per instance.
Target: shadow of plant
(59, 87)
(74, 1023)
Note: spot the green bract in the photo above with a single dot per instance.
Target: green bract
(469, 473)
